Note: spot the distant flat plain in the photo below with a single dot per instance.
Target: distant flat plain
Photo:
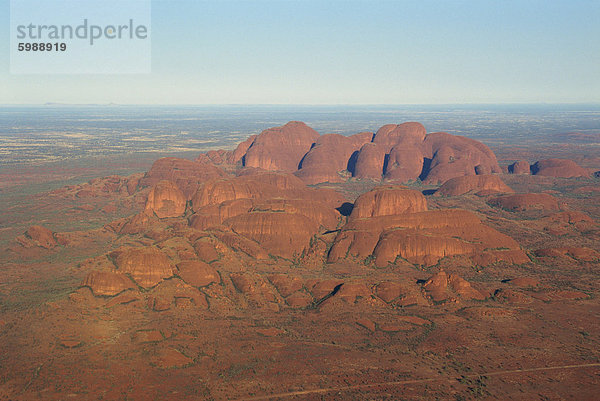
(47, 146)
(54, 133)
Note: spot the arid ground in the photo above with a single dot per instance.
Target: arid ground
(396, 264)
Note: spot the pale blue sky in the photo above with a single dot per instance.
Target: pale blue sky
(345, 52)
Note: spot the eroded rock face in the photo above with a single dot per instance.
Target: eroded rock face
(519, 167)
(222, 200)
(579, 253)
(280, 233)
(41, 236)
(520, 202)
(186, 174)
(255, 186)
(443, 287)
(462, 185)
(388, 200)
(330, 156)
(406, 134)
(242, 148)
(407, 230)
(285, 284)
(165, 199)
(562, 168)
(147, 266)
(370, 162)
(405, 163)
(206, 251)
(321, 213)
(108, 283)
(255, 288)
(281, 148)
(410, 154)
(453, 156)
(240, 243)
(397, 152)
(258, 216)
(197, 273)
(570, 217)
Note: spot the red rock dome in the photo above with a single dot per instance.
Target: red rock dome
(473, 183)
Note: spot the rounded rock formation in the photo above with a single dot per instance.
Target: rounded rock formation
(330, 156)
(107, 283)
(280, 233)
(388, 200)
(197, 273)
(519, 167)
(370, 161)
(424, 238)
(254, 186)
(404, 163)
(404, 134)
(473, 183)
(579, 253)
(147, 266)
(448, 156)
(239, 152)
(281, 148)
(166, 200)
(397, 152)
(42, 236)
(186, 174)
(562, 168)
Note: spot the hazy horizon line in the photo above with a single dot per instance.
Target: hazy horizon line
(594, 103)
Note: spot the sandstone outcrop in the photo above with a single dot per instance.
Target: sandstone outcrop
(147, 266)
(165, 199)
(473, 183)
(562, 168)
(391, 222)
(519, 167)
(281, 148)
(299, 300)
(443, 287)
(197, 273)
(108, 283)
(285, 284)
(321, 213)
(239, 152)
(219, 201)
(280, 233)
(579, 253)
(255, 186)
(388, 200)
(255, 289)
(330, 156)
(404, 163)
(406, 134)
(242, 244)
(370, 162)
(570, 217)
(206, 250)
(397, 152)
(405, 152)
(453, 156)
(41, 236)
(186, 174)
